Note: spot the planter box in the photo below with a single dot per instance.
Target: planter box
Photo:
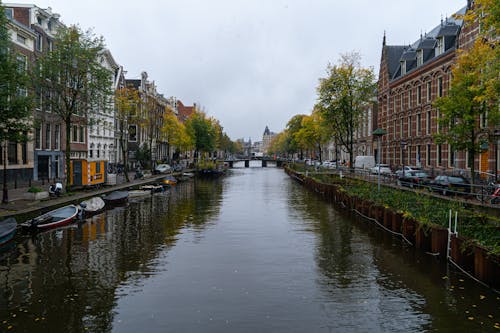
(36, 196)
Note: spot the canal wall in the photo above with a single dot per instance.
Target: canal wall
(465, 254)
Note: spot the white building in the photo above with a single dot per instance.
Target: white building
(101, 140)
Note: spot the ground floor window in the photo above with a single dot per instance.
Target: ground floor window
(12, 153)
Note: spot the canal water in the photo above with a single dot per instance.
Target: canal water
(250, 252)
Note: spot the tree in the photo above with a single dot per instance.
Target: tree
(280, 144)
(202, 133)
(127, 104)
(75, 79)
(342, 98)
(470, 112)
(293, 127)
(15, 102)
(313, 134)
(152, 121)
(172, 130)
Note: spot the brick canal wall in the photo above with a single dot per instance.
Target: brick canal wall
(464, 253)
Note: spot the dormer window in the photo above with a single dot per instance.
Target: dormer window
(420, 58)
(403, 67)
(440, 46)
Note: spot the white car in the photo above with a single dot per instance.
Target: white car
(384, 169)
(163, 168)
(407, 169)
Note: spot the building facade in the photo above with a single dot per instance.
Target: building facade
(411, 78)
(48, 143)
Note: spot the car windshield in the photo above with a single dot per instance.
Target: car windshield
(456, 180)
(420, 174)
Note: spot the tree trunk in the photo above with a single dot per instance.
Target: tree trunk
(68, 152)
(5, 196)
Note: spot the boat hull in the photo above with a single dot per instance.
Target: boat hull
(53, 219)
(7, 230)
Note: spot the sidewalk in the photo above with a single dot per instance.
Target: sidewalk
(17, 205)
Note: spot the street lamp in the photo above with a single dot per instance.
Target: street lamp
(378, 133)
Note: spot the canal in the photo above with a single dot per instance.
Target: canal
(251, 252)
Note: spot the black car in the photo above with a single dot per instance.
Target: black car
(415, 178)
(449, 184)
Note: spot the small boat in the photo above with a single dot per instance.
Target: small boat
(188, 175)
(169, 180)
(92, 206)
(116, 197)
(7, 230)
(138, 193)
(52, 219)
(152, 188)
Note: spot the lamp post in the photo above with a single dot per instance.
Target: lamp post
(379, 132)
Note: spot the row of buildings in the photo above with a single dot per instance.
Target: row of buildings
(411, 78)
(33, 31)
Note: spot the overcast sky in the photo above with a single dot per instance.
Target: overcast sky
(249, 63)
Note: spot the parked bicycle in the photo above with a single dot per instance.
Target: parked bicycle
(489, 193)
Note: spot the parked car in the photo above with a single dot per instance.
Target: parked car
(364, 162)
(329, 164)
(384, 169)
(413, 178)
(449, 184)
(163, 168)
(407, 168)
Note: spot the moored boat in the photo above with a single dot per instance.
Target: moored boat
(138, 193)
(7, 230)
(92, 206)
(55, 218)
(169, 181)
(153, 188)
(116, 197)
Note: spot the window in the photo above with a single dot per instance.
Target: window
(57, 137)
(440, 46)
(429, 93)
(483, 120)
(428, 155)
(24, 152)
(49, 44)
(401, 128)
(409, 126)
(38, 138)
(394, 128)
(438, 116)
(418, 154)
(451, 157)
(438, 155)
(419, 123)
(47, 136)
(82, 134)
(440, 87)
(12, 152)
(420, 58)
(403, 67)
(21, 39)
(132, 133)
(428, 123)
(419, 95)
(98, 167)
(9, 12)
(408, 156)
(75, 134)
(409, 98)
(91, 153)
(39, 42)
(21, 63)
(402, 101)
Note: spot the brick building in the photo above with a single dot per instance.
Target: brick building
(411, 78)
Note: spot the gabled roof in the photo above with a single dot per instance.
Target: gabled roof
(448, 29)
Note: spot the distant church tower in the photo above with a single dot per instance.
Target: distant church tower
(266, 139)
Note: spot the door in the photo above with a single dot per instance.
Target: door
(77, 173)
(43, 167)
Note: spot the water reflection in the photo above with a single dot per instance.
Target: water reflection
(65, 280)
(248, 253)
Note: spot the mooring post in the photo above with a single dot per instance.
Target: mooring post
(264, 163)
(247, 163)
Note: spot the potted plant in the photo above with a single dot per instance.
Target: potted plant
(35, 193)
